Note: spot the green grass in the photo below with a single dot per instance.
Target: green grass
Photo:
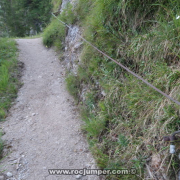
(54, 34)
(56, 5)
(72, 83)
(9, 82)
(128, 120)
(30, 37)
(1, 146)
(124, 118)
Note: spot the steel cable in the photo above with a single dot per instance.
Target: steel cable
(131, 72)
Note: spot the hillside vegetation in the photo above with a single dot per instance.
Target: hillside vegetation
(19, 18)
(9, 76)
(125, 119)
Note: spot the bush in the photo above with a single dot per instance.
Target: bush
(54, 33)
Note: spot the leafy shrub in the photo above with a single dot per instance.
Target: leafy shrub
(68, 15)
(54, 33)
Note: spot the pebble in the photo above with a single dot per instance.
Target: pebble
(88, 165)
(15, 161)
(103, 93)
(79, 176)
(9, 174)
(33, 114)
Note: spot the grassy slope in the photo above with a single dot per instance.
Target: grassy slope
(125, 123)
(8, 77)
(56, 5)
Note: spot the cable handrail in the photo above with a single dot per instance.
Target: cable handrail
(121, 65)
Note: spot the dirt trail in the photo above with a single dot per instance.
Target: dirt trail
(43, 127)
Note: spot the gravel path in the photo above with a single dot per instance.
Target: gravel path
(43, 129)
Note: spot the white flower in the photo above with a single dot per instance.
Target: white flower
(177, 17)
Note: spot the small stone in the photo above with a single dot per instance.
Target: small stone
(79, 176)
(33, 114)
(15, 161)
(9, 174)
(88, 165)
(103, 93)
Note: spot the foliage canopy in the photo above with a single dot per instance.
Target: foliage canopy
(23, 17)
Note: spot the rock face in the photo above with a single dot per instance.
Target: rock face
(73, 43)
(72, 49)
(64, 3)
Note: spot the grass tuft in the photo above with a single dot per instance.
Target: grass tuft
(54, 34)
